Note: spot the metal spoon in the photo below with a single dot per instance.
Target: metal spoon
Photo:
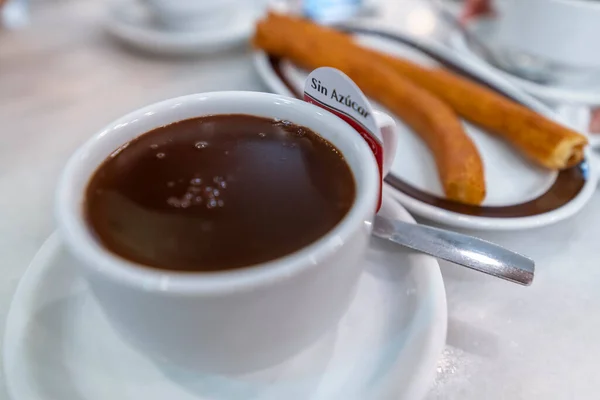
(457, 248)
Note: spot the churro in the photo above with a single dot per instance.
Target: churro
(458, 162)
(543, 141)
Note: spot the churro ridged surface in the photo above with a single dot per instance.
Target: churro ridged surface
(544, 141)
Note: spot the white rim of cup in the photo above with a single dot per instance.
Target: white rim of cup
(88, 250)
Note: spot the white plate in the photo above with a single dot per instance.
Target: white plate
(513, 182)
(130, 23)
(485, 30)
(59, 346)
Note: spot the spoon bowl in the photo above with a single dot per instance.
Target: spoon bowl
(458, 248)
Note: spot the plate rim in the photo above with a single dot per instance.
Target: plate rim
(24, 299)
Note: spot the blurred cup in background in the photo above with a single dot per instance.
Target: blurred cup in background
(191, 15)
(564, 32)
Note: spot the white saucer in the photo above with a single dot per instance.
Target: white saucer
(58, 344)
(485, 30)
(513, 183)
(131, 23)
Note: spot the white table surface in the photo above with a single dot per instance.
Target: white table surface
(62, 79)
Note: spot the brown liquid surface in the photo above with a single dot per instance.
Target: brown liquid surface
(218, 192)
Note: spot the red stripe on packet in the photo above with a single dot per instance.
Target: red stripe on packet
(373, 143)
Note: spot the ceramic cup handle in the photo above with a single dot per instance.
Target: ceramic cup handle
(389, 134)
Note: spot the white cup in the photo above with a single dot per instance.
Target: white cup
(234, 320)
(565, 32)
(191, 15)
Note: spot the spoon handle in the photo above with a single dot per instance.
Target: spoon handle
(457, 248)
